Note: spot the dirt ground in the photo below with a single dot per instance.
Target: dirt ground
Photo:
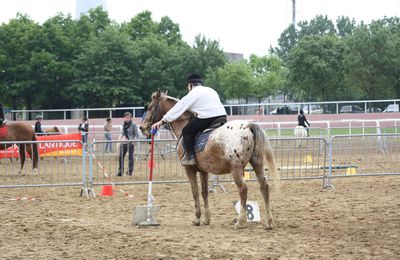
(360, 219)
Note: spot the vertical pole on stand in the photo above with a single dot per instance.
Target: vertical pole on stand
(145, 215)
(150, 192)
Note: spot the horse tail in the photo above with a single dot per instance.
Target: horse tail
(35, 152)
(263, 149)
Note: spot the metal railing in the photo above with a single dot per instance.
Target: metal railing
(296, 159)
(331, 107)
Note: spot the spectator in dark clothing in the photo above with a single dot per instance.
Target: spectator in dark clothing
(129, 133)
(84, 129)
(38, 125)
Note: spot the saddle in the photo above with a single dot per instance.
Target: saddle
(202, 137)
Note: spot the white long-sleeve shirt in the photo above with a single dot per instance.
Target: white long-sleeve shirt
(203, 101)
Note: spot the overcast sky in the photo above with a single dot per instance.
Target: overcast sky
(246, 27)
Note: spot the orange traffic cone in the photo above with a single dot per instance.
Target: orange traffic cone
(107, 191)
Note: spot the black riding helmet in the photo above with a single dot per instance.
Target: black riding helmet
(194, 78)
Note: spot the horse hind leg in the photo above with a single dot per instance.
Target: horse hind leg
(191, 173)
(22, 156)
(242, 187)
(204, 193)
(264, 188)
(32, 156)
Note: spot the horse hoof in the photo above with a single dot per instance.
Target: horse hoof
(234, 221)
(34, 171)
(268, 227)
(204, 222)
(239, 226)
(196, 222)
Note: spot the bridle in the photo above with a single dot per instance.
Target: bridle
(155, 111)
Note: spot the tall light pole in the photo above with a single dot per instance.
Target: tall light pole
(294, 12)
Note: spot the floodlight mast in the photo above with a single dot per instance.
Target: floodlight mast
(294, 12)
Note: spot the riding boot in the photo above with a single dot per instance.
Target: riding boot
(188, 159)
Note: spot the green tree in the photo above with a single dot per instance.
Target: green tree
(345, 26)
(23, 44)
(237, 80)
(316, 68)
(207, 54)
(104, 72)
(60, 32)
(269, 76)
(140, 26)
(369, 61)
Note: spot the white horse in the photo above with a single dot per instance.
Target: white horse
(299, 132)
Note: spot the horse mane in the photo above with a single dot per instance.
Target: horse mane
(167, 97)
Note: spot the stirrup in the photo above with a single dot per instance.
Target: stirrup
(188, 160)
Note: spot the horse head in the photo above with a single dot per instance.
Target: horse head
(155, 111)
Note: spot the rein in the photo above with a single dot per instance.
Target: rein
(155, 111)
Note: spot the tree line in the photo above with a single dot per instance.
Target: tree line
(96, 62)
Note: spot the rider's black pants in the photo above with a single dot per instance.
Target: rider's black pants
(194, 126)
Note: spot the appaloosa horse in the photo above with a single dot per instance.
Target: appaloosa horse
(228, 150)
(18, 131)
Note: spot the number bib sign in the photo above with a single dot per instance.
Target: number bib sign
(252, 211)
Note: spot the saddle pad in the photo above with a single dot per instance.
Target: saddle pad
(201, 141)
(3, 131)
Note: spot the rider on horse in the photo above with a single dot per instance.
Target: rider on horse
(205, 103)
(303, 120)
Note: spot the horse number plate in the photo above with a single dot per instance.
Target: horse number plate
(252, 210)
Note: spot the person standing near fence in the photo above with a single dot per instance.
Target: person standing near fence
(84, 129)
(128, 134)
(38, 125)
(107, 135)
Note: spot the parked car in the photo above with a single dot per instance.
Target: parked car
(374, 110)
(392, 108)
(314, 109)
(351, 109)
(284, 110)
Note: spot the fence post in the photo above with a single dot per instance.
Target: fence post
(327, 178)
(90, 189)
(84, 184)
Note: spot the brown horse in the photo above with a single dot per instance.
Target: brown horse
(18, 131)
(228, 150)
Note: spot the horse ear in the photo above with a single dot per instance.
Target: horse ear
(165, 92)
(157, 94)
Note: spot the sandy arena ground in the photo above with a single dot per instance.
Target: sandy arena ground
(358, 220)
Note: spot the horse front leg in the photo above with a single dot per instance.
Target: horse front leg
(191, 173)
(242, 187)
(204, 193)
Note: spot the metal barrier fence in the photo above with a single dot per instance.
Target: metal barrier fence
(63, 169)
(296, 159)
